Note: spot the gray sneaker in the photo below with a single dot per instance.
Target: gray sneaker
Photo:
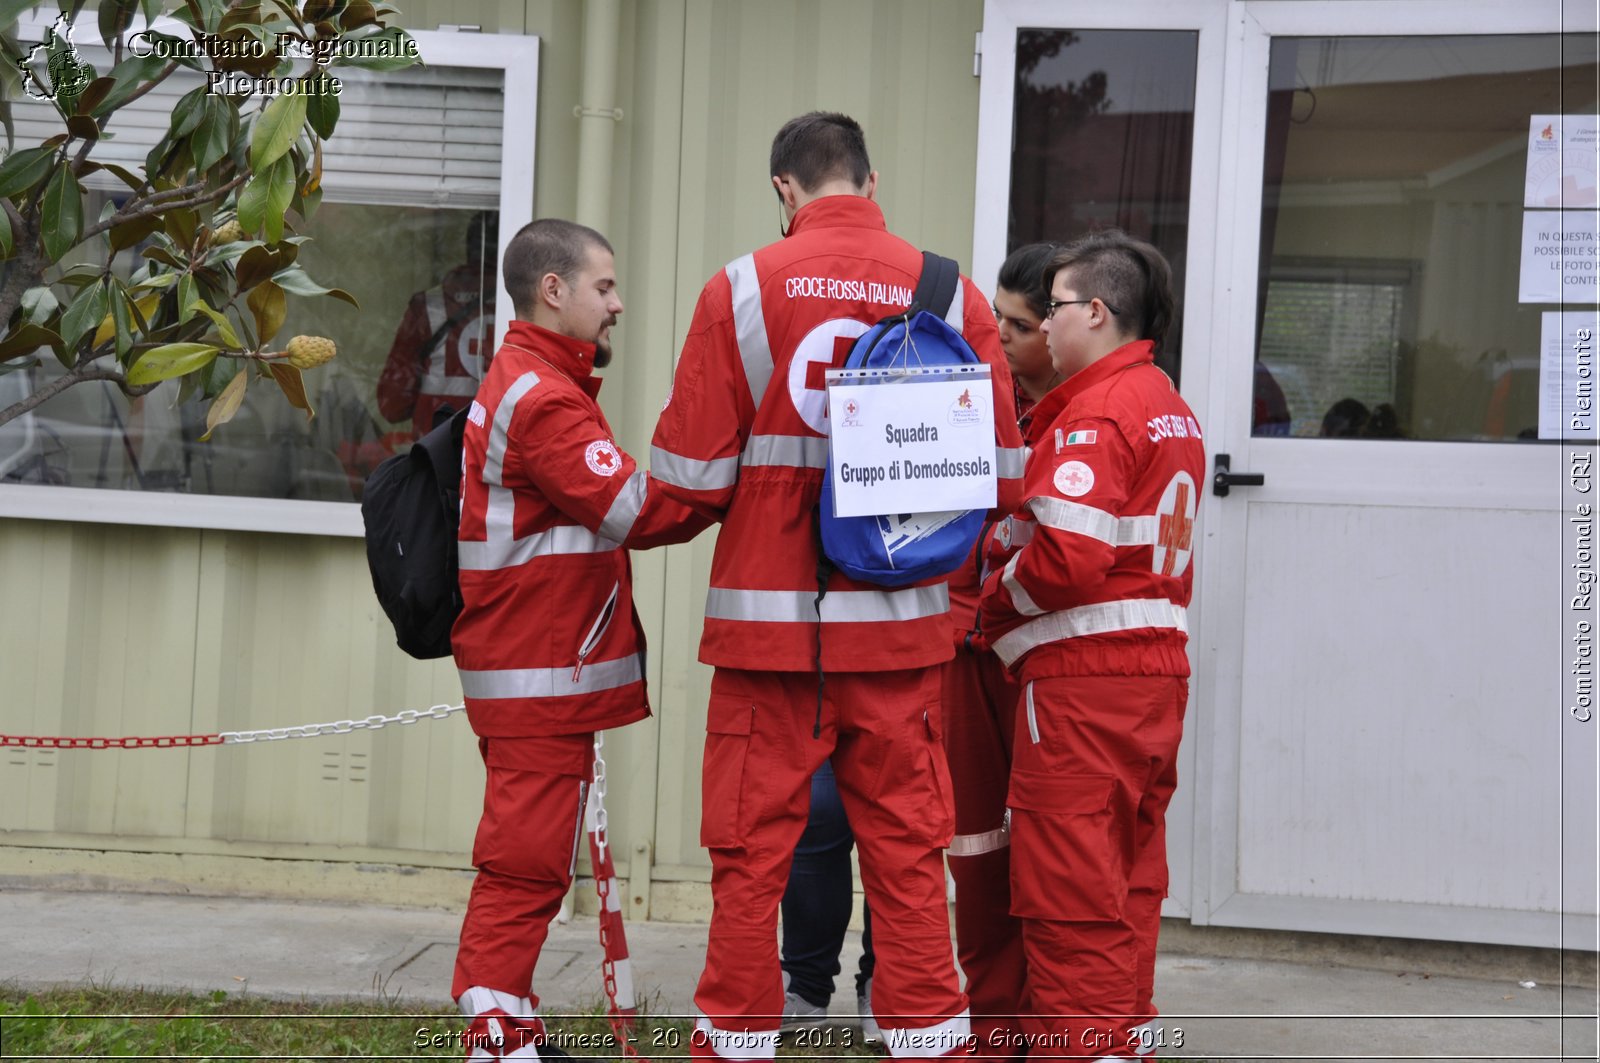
(799, 1013)
(870, 1032)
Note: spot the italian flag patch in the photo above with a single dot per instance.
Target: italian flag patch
(1080, 437)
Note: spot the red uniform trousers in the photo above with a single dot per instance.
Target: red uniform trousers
(980, 700)
(882, 730)
(533, 800)
(1094, 769)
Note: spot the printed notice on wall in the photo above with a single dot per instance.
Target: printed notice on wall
(911, 441)
(1563, 150)
(1559, 260)
(1566, 374)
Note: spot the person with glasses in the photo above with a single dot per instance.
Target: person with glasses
(1089, 613)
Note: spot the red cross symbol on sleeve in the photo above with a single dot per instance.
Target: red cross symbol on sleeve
(1176, 531)
(1075, 479)
(816, 372)
(606, 458)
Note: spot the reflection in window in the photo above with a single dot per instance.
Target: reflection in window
(1391, 233)
(407, 226)
(1102, 136)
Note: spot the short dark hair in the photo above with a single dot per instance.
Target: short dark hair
(1022, 273)
(548, 245)
(1124, 273)
(819, 147)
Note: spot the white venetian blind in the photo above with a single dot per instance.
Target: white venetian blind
(423, 136)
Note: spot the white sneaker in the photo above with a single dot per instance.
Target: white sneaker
(870, 1031)
(799, 1013)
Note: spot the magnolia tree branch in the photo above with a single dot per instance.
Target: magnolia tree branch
(83, 371)
(26, 269)
(156, 204)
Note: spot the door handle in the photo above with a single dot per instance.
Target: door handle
(1223, 480)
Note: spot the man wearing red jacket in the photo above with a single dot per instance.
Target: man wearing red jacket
(1090, 615)
(801, 676)
(548, 645)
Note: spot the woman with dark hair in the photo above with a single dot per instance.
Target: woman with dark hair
(980, 701)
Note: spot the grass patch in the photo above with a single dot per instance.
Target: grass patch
(106, 1022)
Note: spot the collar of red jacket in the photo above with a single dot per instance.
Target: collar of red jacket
(853, 212)
(572, 357)
(1139, 352)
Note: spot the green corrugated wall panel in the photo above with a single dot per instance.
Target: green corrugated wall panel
(120, 630)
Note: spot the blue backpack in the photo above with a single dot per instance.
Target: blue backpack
(896, 550)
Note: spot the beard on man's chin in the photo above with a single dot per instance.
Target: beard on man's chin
(602, 354)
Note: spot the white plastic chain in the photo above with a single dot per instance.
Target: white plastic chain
(405, 717)
(600, 792)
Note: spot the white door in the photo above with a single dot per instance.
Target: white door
(1388, 748)
(1379, 738)
(1093, 115)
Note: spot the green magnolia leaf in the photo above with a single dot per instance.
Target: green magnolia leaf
(295, 282)
(38, 304)
(115, 18)
(224, 326)
(122, 323)
(322, 106)
(275, 130)
(188, 296)
(212, 136)
(270, 307)
(123, 174)
(168, 361)
(97, 91)
(7, 241)
(164, 256)
(27, 339)
(130, 75)
(61, 213)
(83, 313)
(24, 169)
(189, 112)
(280, 193)
(256, 265)
(253, 204)
(396, 51)
(226, 404)
(131, 232)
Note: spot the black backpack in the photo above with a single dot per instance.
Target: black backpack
(412, 508)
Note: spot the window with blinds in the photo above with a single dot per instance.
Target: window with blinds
(423, 136)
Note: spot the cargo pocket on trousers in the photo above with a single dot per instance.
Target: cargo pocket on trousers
(723, 821)
(1065, 864)
(941, 808)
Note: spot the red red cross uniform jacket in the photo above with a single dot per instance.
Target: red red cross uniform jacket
(1100, 581)
(548, 641)
(1090, 611)
(422, 373)
(743, 439)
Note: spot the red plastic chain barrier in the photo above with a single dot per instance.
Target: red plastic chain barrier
(132, 742)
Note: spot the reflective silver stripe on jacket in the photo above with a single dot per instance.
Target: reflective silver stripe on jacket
(956, 316)
(694, 474)
(553, 682)
(987, 842)
(1010, 463)
(801, 452)
(1096, 523)
(1099, 619)
(436, 378)
(750, 326)
(1019, 595)
(625, 508)
(489, 556)
(501, 506)
(838, 607)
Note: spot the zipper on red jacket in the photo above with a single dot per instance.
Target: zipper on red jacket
(597, 629)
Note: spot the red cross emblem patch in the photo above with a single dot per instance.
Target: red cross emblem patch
(602, 458)
(1175, 526)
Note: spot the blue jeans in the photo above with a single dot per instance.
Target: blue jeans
(816, 902)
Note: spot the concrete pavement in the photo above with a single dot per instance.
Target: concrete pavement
(1227, 1008)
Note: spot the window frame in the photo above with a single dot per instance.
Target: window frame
(517, 57)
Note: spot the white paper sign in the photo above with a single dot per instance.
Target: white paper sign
(1562, 153)
(1559, 257)
(911, 441)
(1566, 374)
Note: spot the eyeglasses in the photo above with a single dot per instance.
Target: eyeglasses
(1051, 307)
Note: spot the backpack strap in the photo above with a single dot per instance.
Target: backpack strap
(936, 288)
